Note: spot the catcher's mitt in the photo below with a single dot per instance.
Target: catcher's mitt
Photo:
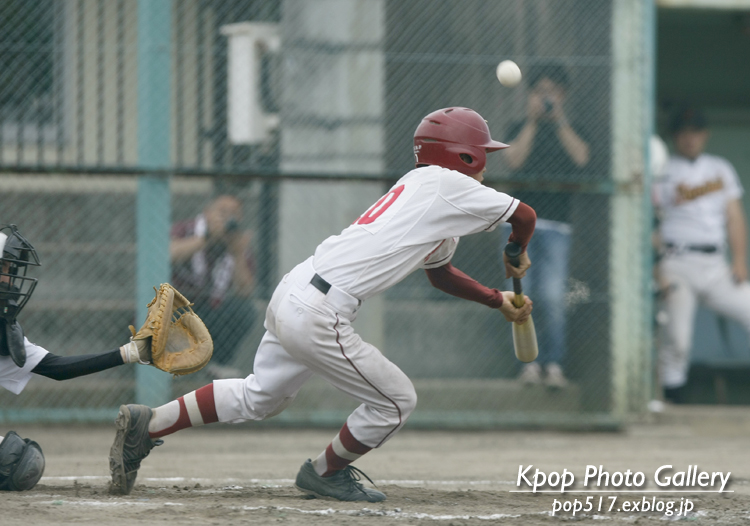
(179, 340)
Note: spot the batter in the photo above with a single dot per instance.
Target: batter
(416, 225)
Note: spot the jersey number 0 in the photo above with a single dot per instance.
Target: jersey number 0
(380, 207)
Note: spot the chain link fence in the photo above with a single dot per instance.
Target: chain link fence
(286, 120)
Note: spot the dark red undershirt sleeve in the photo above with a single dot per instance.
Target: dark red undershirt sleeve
(451, 280)
(523, 222)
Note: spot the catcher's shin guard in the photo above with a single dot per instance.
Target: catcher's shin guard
(132, 444)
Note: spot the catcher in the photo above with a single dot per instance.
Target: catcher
(22, 460)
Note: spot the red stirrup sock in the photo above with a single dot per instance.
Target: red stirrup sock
(194, 409)
(342, 451)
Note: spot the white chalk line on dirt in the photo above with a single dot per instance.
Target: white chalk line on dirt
(398, 514)
(366, 512)
(288, 482)
(106, 503)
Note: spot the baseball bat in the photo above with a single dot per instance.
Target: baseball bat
(524, 334)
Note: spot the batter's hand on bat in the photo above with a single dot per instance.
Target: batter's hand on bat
(520, 270)
(510, 311)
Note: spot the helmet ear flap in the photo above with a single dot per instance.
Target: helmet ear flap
(470, 160)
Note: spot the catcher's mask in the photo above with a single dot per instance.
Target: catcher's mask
(15, 287)
(454, 138)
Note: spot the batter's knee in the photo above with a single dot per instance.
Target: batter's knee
(397, 407)
(407, 401)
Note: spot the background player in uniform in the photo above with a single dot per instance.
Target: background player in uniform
(20, 359)
(417, 224)
(699, 201)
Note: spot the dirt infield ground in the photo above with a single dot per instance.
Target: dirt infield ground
(240, 475)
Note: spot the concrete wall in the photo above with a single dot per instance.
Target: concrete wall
(332, 107)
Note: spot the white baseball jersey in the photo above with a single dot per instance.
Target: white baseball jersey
(14, 378)
(693, 196)
(415, 225)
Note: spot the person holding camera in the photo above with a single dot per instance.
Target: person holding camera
(546, 146)
(212, 265)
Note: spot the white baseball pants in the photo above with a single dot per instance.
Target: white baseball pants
(693, 277)
(308, 332)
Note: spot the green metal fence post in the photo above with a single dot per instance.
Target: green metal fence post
(649, 74)
(153, 200)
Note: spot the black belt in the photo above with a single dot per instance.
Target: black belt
(320, 284)
(706, 249)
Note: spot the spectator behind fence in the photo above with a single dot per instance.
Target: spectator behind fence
(213, 267)
(699, 200)
(544, 146)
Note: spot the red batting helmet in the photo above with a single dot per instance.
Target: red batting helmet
(454, 138)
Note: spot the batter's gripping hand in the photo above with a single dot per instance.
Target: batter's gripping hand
(179, 340)
(511, 312)
(520, 271)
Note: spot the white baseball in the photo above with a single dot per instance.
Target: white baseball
(508, 73)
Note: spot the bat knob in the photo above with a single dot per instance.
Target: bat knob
(513, 251)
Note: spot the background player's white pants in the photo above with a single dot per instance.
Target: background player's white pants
(693, 277)
(309, 333)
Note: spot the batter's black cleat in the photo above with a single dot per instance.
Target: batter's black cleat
(132, 444)
(342, 485)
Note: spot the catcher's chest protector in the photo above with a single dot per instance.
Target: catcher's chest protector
(11, 342)
(21, 463)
